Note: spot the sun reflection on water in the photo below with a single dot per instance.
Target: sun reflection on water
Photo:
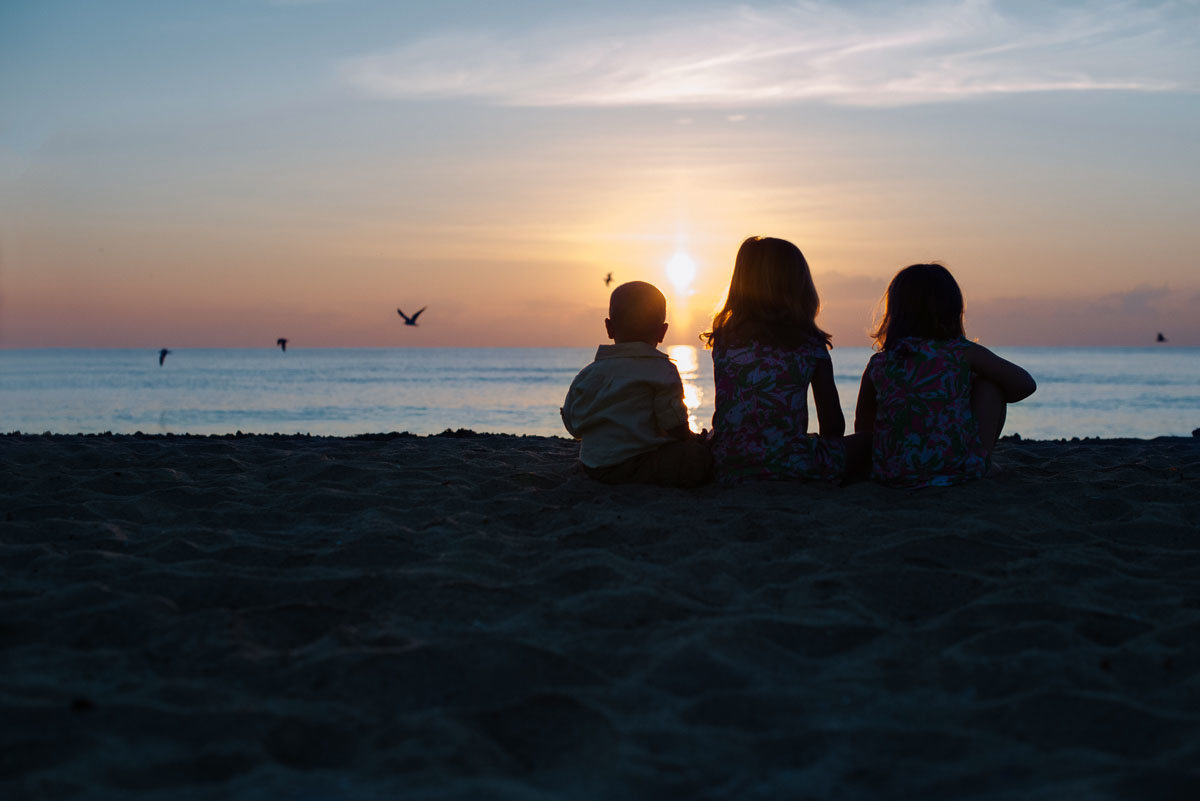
(687, 362)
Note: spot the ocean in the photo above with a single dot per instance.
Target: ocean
(1082, 392)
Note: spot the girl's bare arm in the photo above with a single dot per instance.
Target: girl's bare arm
(825, 397)
(1014, 381)
(864, 411)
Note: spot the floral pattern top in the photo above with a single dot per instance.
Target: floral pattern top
(925, 434)
(760, 425)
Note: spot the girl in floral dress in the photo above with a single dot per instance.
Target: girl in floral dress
(767, 351)
(932, 402)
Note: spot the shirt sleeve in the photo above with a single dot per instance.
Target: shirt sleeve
(669, 409)
(567, 412)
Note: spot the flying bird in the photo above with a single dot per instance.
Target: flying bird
(1160, 337)
(282, 343)
(162, 356)
(608, 279)
(411, 320)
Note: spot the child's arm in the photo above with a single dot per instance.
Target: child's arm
(567, 410)
(670, 412)
(1013, 380)
(565, 414)
(825, 397)
(864, 411)
(680, 432)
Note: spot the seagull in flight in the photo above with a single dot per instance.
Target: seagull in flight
(282, 343)
(162, 356)
(1160, 338)
(608, 279)
(411, 320)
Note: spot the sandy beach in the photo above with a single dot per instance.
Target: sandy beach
(468, 616)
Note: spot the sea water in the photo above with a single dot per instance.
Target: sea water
(1099, 392)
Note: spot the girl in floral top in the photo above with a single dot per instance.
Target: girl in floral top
(932, 402)
(767, 351)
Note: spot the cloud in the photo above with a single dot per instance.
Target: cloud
(874, 55)
(852, 286)
(1132, 317)
(1139, 299)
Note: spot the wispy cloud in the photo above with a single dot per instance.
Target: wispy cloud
(1140, 299)
(1132, 317)
(877, 55)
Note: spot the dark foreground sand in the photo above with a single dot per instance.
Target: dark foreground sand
(470, 617)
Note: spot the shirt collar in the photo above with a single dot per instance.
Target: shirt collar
(628, 350)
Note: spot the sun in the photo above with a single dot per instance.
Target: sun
(681, 271)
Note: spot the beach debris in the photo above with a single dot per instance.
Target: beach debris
(411, 320)
(282, 343)
(608, 279)
(162, 356)
(1160, 337)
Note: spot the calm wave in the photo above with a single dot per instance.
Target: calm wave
(1107, 392)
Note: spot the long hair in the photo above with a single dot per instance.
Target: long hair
(923, 300)
(771, 299)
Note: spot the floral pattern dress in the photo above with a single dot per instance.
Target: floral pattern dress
(760, 425)
(925, 434)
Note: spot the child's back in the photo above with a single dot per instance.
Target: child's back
(760, 426)
(925, 433)
(623, 403)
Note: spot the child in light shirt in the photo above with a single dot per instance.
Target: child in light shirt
(627, 406)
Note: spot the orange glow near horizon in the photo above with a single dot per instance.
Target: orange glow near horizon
(507, 257)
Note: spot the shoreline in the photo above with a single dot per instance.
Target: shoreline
(467, 433)
(467, 615)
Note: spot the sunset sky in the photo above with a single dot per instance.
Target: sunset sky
(191, 174)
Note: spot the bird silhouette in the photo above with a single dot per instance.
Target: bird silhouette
(162, 356)
(282, 343)
(411, 320)
(1160, 337)
(608, 279)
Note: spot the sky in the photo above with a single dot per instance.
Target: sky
(223, 173)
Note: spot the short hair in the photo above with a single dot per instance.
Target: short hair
(923, 300)
(636, 310)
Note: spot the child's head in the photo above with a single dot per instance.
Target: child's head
(637, 312)
(923, 301)
(772, 298)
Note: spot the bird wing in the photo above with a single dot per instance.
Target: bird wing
(402, 314)
(418, 314)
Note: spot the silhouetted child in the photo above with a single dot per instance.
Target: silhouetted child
(767, 351)
(627, 406)
(933, 403)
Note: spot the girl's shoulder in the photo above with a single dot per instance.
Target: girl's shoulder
(908, 346)
(764, 350)
(916, 354)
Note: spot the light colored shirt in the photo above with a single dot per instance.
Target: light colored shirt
(623, 403)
